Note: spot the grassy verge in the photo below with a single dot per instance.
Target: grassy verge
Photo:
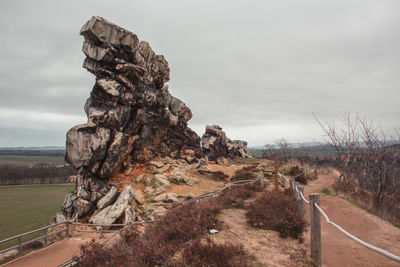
(25, 208)
(328, 192)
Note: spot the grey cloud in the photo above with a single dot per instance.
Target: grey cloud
(258, 68)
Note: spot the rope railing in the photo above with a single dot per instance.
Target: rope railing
(305, 200)
(365, 244)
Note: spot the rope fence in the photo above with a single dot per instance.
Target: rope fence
(315, 211)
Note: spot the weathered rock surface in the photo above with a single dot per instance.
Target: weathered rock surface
(108, 198)
(215, 144)
(135, 126)
(120, 209)
(131, 115)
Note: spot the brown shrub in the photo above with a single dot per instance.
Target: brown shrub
(160, 241)
(208, 253)
(296, 172)
(276, 211)
(234, 197)
(216, 176)
(184, 223)
(246, 173)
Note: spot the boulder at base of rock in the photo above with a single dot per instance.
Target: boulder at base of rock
(108, 198)
(114, 212)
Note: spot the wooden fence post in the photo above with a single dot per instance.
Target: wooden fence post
(315, 223)
(45, 236)
(301, 202)
(19, 246)
(66, 228)
(72, 229)
(262, 181)
(296, 193)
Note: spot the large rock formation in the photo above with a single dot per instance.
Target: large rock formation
(132, 118)
(136, 132)
(216, 145)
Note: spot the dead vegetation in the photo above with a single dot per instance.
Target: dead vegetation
(276, 211)
(246, 173)
(180, 237)
(213, 175)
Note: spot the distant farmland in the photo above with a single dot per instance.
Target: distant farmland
(24, 208)
(28, 157)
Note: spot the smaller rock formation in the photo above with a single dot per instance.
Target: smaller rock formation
(216, 145)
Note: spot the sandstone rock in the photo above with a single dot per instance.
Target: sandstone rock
(159, 183)
(161, 170)
(132, 117)
(215, 145)
(67, 207)
(177, 178)
(159, 209)
(85, 146)
(156, 164)
(149, 190)
(113, 212)
(129, 215)
(82, 207)
(138, 197)
(60, 217)
(108, 198)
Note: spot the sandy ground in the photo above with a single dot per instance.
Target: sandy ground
(267, 247)
(338, 249)
(53, 255)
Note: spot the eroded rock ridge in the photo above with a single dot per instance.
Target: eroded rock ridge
(136, 135)
(132, 117)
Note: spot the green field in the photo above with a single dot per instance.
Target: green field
(27, 207)
(28, 157)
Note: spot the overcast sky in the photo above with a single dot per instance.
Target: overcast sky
(259, 69)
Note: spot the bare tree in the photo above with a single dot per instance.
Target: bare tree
(283, 149)
(345, 140)
(380, 162)
(366, 157)
(268, 151)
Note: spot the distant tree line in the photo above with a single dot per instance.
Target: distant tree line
(316, 153)
(11, 174)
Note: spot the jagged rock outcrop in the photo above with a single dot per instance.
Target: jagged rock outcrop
(131, 114)
(215, 145)
(136, 131)
(132, 117)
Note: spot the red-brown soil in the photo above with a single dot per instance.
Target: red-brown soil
(338, 249)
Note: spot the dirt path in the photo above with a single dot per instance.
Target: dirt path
(267, 247)
(53, 255)
(338, 249)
